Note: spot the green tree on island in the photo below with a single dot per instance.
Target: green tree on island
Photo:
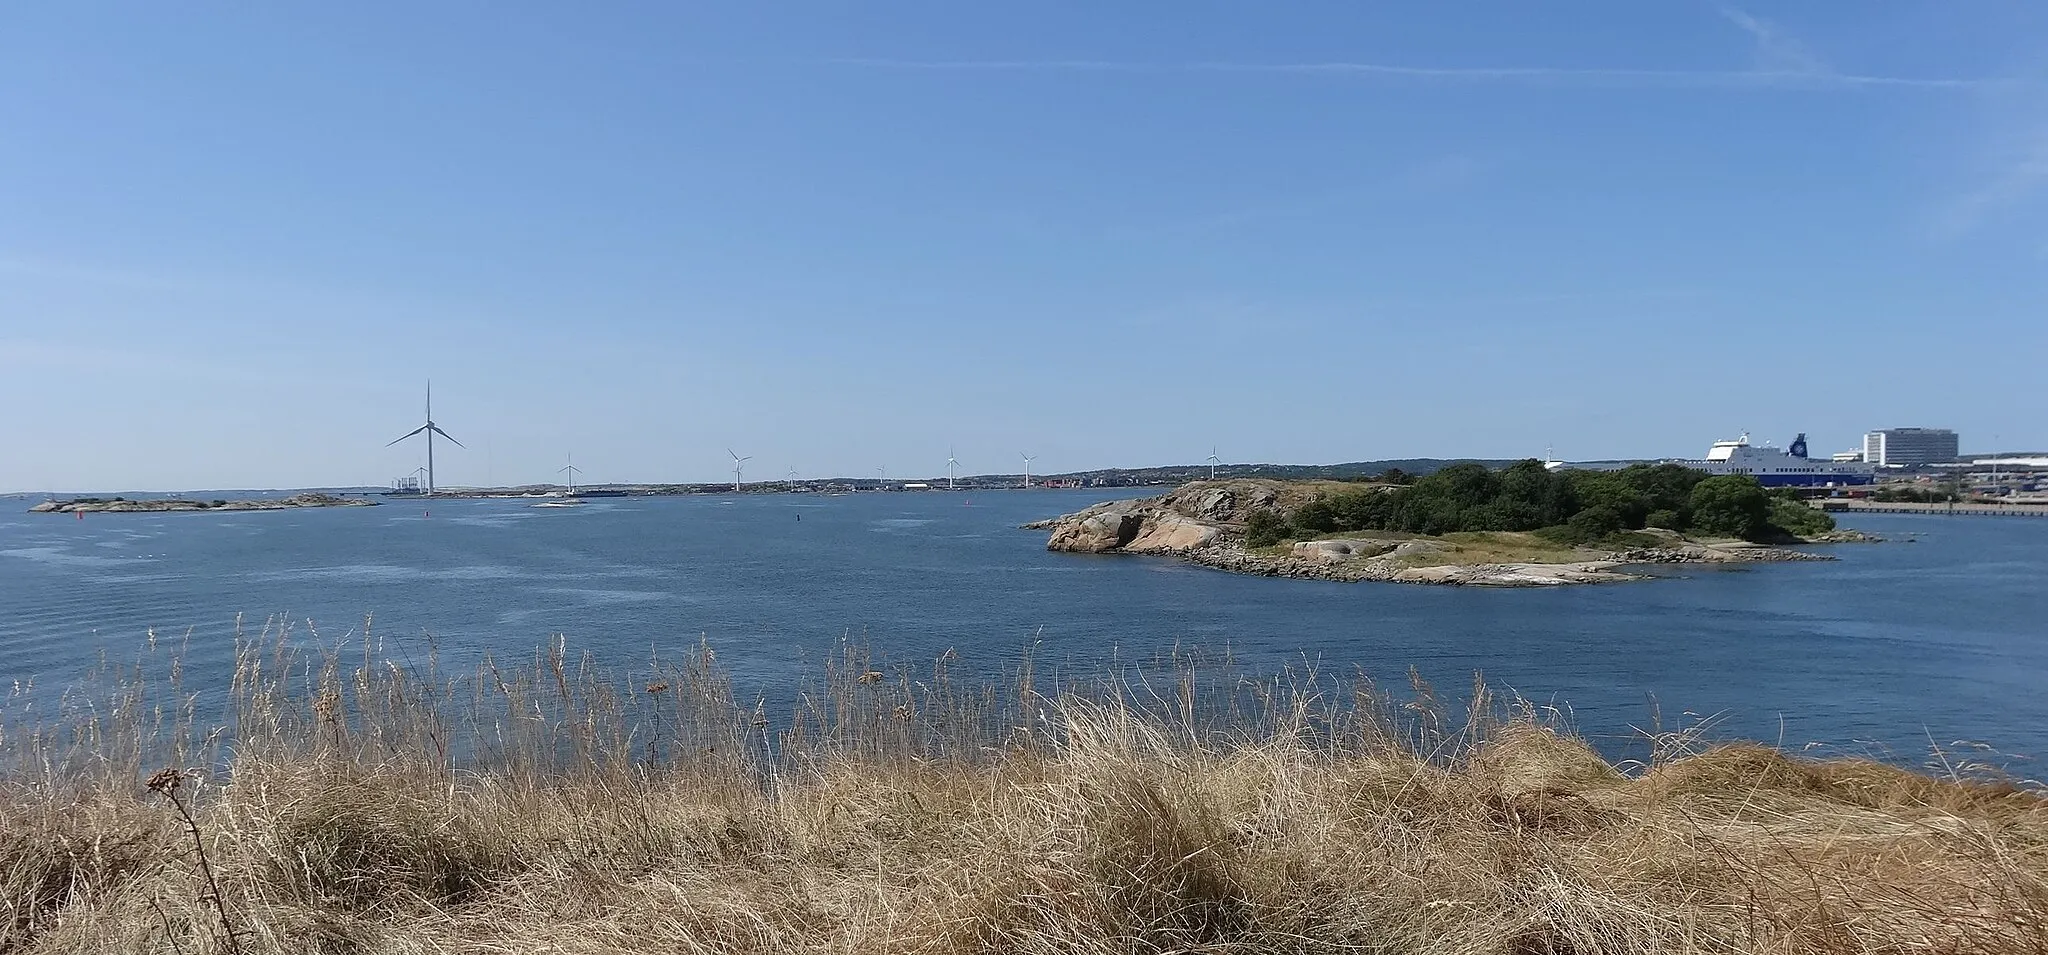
(1569, 506)
(1730, 505)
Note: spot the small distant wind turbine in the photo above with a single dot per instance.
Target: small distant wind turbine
(571, 470)
(429, 429)
(792, 475)
(951, 463)
(1212, 462)
(1027, 468)
(881, 477)
(738, 462)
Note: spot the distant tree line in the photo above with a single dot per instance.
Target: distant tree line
(1388, 476)
(1569, 506)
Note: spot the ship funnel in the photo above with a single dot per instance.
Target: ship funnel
(1798, 448)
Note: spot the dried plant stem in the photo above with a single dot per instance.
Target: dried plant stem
(165, 920)
(169, 783)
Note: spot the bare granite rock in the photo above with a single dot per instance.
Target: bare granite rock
(1172, 534)
(168, 504)
(1095, 531)
(1843, 535)
(1335, 550)
(1731, 552)
(1515, 575)
(1182, 521)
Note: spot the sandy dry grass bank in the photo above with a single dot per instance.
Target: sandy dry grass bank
(356, 806)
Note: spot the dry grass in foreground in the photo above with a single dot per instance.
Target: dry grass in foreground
(363, 807)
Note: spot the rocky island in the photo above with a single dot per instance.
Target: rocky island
(1521, 527)
(95, 505)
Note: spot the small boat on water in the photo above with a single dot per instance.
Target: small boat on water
(561, 502)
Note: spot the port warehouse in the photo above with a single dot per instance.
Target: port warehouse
(2016, 483)
(2011, 473)
(2039, 508)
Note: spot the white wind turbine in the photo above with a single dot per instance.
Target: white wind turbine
(430, 429)
(571, 470)
(951, 463)
(1212, 462)
(1027, 468)
(738, 462)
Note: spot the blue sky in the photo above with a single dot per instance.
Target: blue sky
(235, 243)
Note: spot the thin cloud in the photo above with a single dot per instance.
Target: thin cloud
(1527, 75)
(1775, 51)
(2021, 177)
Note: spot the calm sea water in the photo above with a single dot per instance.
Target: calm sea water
(1943, 638)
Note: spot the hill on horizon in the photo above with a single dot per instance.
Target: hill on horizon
(1179, 473)
(1098, 477)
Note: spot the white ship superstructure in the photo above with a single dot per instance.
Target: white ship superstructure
(1770, 466)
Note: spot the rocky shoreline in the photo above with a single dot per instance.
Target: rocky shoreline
(1203, 523)
(167, 505)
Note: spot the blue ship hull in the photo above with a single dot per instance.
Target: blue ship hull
(1814, 480)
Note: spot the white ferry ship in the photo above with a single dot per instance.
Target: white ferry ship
(1770, 466)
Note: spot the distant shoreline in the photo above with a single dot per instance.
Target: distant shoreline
(93, 505)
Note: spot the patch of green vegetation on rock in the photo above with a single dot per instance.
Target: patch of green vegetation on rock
(1571, 507)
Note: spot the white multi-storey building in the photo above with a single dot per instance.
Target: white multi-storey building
(1910, 447)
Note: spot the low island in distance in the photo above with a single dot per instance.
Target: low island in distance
(117, 505)
(1525, 526)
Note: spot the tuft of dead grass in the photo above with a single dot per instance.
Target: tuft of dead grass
(346, 803)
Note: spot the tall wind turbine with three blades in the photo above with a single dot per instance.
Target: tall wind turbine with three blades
(737, 463)
(429, 429)
(571, 470)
